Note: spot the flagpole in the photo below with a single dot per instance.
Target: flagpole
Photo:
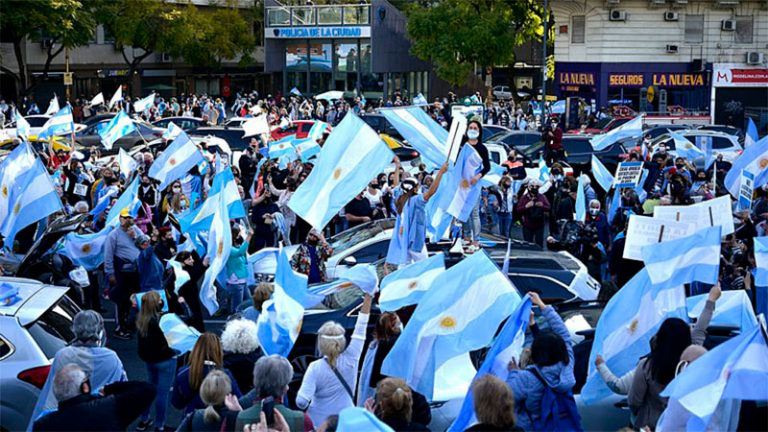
(138, 129)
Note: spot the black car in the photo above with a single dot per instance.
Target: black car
(520, 140)
(380, 124)
(233, 136)
(187, 124)
(89, 137)
(98, 118)
(490, 130)
(579, 151)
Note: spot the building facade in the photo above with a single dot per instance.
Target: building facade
(660, 56)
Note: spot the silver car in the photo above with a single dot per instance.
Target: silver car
(33, 327)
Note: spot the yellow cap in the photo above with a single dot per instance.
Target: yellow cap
(125, 213)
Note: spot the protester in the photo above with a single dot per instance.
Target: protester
(240, 344)
(533, 206)
(190, 290)
(221, 406)
(237, 271)
(261, 294)
(494, 405)
(120, 255)
(393, 405)
(311, 256)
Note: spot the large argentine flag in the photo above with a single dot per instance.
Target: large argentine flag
(282, 147)
(17, 162)
(306, 148)
(408, 285)
(350, 158)
(761, 274)
(751, 136)
(632, 128)
(120, 126)
(200, 218)
(181, 156)
(61, 123)
(463, 314)
(734, 370)
(508, 345)
(280, 320)
(733, 308)
(684, 148)
(421, 132)
(460, 195)
(601, 174)
(179, 336)
(629, 320)
(86, 250)
(680, 261)
(172, 132)
(754, 160)
(219, 247)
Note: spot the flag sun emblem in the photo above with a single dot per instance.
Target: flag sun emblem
(448, 322)
(337, 174)
(86, 248)
(172, 161)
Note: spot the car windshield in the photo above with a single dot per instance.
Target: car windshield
(53, 330)
(498, 136)
(358, 234)
(603, 122)
(532, 152)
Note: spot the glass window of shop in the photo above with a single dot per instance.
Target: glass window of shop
(277, 17)
(296, 63)
(347, 63)
(330, 15)
(320, 65)
(370, 82)
(356, 15)
(303, 16)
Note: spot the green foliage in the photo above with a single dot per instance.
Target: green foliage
(456, 34)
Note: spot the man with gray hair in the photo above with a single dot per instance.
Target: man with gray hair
(87, 351)
(115, 406)
(271, 376)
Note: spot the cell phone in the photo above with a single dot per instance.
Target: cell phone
(268, 406)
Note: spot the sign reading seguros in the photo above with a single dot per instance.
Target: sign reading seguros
(317, 32)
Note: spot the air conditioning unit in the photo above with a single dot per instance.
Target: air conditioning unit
(697, 65)
(755, 58)
(617, 15)
(728, 25)
(165, 58)
(671, 16)
(672, 49)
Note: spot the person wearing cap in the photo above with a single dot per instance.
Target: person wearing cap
(149, 265)
(534, 208)
(120, 255)
(407, 243)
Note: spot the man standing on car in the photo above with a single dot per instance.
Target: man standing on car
(120, 255)
(534, 207)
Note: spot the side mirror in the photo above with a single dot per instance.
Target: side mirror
(349, 261)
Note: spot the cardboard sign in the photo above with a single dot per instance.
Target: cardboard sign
(746, 189)
(81, 189)
(455, 135)
(628, 174)
(702, 215)
(644, 230)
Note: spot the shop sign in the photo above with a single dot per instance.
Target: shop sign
(725, 75)
(576, 78)
(678, 79)
(317, 32)
(625, 80)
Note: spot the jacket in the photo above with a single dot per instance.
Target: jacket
(527, 388)
(237, 263)
(297, 420)
(532, 217)
(241, 366)
(121, 404)
(153, 347)
(150, 270)
(184, 396)
(195, 421)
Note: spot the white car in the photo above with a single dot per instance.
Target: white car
(36, 123)
(32, 330)
(235, 122)
(211, 141)
(502, 92)
(720, 142)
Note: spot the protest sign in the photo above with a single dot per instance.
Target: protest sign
(746, 190)
(628, 174)
(455, 135)
(702, 215)
(644, 230)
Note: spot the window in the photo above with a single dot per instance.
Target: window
(547, 288)
(579, 24)
(109, 37)
(694, 28)
(329, 15)
(278, 17)
(356, 15)
(303, 16)
(5, 348)
(743, 29)
(53, 330)
(371, 253)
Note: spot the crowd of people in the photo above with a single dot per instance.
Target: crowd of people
(226, 382)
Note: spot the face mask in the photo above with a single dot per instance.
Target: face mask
(558, 177)
(473, 134)
(680, 166)
(176, 189)
(399, 327)
(594, 211)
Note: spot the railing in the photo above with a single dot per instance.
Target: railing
(321, 15)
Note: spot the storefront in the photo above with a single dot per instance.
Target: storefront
(320, 48)
(663, 88)
(736, 90)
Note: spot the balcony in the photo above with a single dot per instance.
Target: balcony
(319, 15)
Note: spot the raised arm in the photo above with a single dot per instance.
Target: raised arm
(435, 184)
(699, 332)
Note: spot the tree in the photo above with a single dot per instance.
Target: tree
(214, 42)
(456, 35)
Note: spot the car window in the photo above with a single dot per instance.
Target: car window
(305, 127)
(346, 239)
(577, 146)
(289, 130)
(372, 252)
(53, 330)
(36, 121)
(545, 287)
(532, 152)
(162, 123)
(495, 156)
(5, 348)
(721, 143)
(340, 299)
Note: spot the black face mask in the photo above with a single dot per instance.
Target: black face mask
(679, 166)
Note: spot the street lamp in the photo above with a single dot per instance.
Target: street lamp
(545, 22)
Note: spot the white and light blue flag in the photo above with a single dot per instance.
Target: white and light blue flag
(761, 261)
(179, 336)
(118, 96)
(632, 128)
(175, 161)
(22, 126)
(755, 160)
(493, 177)
(282, 147)
(406, 286)
(223, 185)
(460, 196)
(354, 419)
(18, 161)
(751, 136)
(735, 370)
(624, 330)
(362, 276)
(420, 100)
(733, 308)
(543, 169)
(317, 130)
(120, 126)
(508, 345)
(307, 148)
(473, 298)
(280, 320)
(172, 132)
(683, 260)
(340, 174)
(126, 162)
(60, 123)
(421, 132)
(181, 275)
(53, 106)
(685, 148)
(218, 249)
(128, 199)
(97, 100)
(144, 104)
(295, 91)
(581, 201)
(86, 250)
(263, 262)
(601, 174)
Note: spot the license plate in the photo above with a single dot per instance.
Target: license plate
(79, 276)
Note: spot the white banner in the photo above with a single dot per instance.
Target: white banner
(702, 215)
(644, 230)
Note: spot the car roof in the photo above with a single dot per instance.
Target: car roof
(177, 118)
(36, 298)
(705, 132)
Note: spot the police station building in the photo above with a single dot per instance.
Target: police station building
(351, 48)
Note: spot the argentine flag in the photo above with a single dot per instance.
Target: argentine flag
(408, 285)
(508, 345)
(601, 174)
(684, 148)
(174, 163)
(461, 196)
(351, 156)
(128, 199)
(22, 126)
(172, 132)
(307, 148)
(120, 126)
(60, 124)
(86, 250)
(354, 419)
(733, 308)
(53, 107)
(118, 96)
(17, 162)
(32, 197)
(126, 162)
(543, 170)
(421, 132)
(282, 147)
(629, 320)
(761, 275)
(735, 370)
(581, 200)
(219, 246)
(632, 128)
(179, 336)
(280, 320)
(462, 314)
(224, 185)
(317, 130)
(751, 136)
(754, 160)
(144, 104)
(683, 260)
(420, 100)
(493, 177)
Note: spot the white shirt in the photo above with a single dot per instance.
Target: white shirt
(321, 389)
(374, 199)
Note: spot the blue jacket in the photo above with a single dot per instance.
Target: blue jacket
(529, 390)
(150, 270)
(600, 222)
(237, 262)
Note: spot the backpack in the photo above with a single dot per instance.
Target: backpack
(558, 410)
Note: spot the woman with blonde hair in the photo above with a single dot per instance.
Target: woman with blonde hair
(326, 388)
(394, 405)
(206, 356)
(157, 355)
(494, 405)
(221, 407)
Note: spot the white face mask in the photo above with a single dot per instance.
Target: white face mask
(177, 189)
(594, 211)
(473, 134)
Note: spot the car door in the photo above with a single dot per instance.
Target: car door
(89, 137)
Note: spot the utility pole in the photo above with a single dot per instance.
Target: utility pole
(545, 22)
(67, 76)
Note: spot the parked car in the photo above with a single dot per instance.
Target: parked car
(656, 130)
(403, 151)
(502, 92)
(233, 136)
(721, 143)
(490, 130)
(520, 140)
(381, 125)
(579, 152)
(603, 125)
(32, 330)
(729, 130)
(89, 136)
(300, 128)
(187, 124)
(36, 123)
(98, 118)
(59, 143)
